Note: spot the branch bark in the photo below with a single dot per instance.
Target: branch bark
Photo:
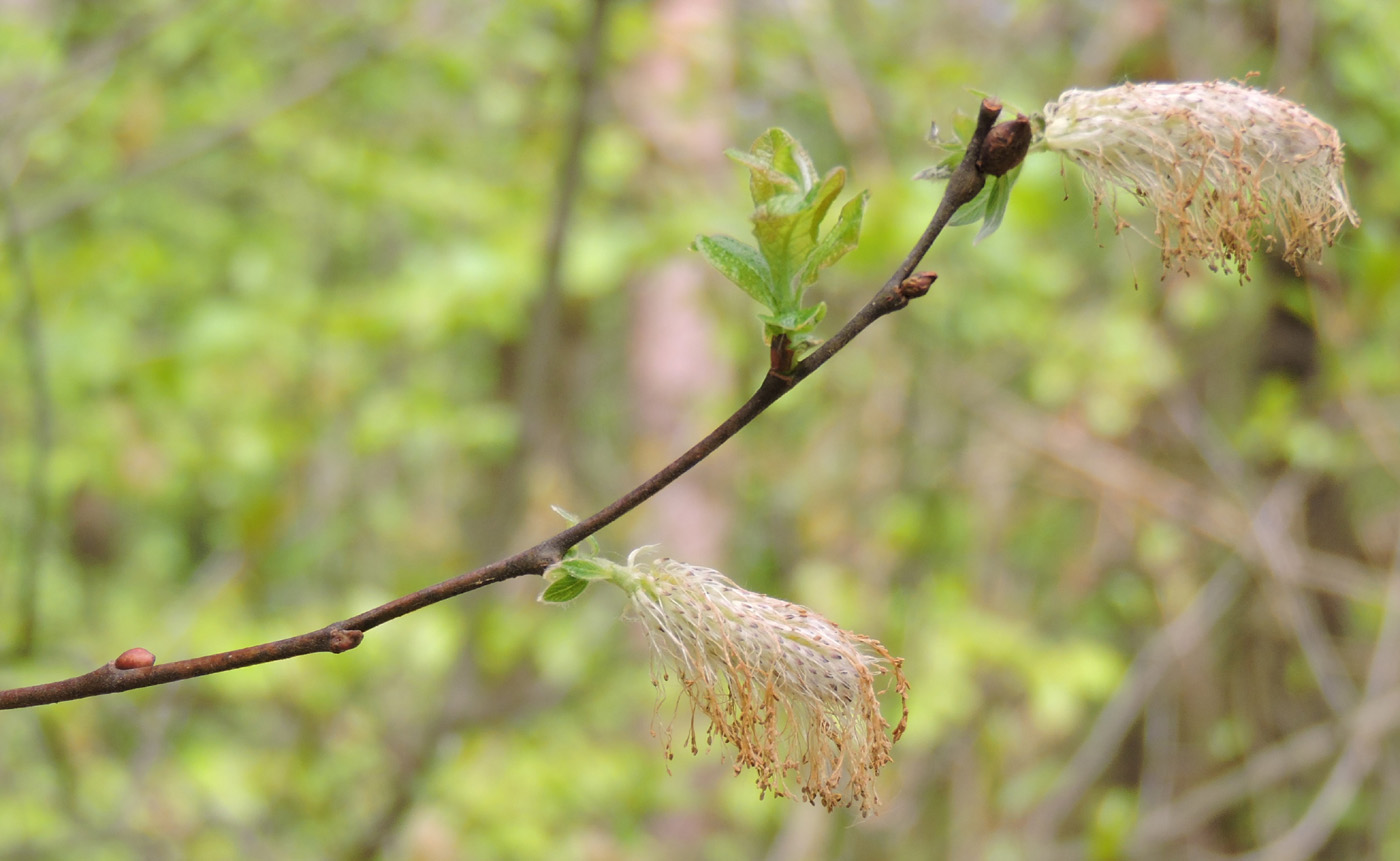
(901, 287)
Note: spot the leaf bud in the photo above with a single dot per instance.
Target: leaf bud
(134, 659)
(1005, 147)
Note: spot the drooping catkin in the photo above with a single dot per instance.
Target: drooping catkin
(1223, 165)
(792, 693)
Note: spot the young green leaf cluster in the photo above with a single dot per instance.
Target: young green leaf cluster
(790, 202)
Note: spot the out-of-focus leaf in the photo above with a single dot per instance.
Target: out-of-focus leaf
(973, 210)
(999, 197)
(740, 263)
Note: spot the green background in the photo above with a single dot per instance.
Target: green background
(280, 343)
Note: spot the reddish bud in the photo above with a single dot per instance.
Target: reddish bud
(134, 659)
(344, 641)
(1005, 147)
(917, 284)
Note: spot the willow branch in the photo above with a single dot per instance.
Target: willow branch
(967, 180)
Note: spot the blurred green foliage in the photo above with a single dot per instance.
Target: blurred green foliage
(288, 259)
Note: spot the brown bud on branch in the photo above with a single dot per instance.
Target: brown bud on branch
(1005, 147)
(134, 659)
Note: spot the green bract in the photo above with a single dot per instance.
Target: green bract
(790, 201)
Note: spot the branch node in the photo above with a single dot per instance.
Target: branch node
(343, 641)
(916, 285)
(780, 355)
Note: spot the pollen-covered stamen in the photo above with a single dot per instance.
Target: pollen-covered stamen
(793, 693)
(1223, 165)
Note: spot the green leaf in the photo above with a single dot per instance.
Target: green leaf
(740, 263)
(777, 165)
(765, 180)
(795, 321)
(943, 169)
(584, 569)
(782, 150)
(790, 202)
(564, 589)
(843, 237)
(786, 228)
(808, 318)
(996, 203)
(569, 517)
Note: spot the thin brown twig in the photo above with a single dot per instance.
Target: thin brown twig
(344, 635)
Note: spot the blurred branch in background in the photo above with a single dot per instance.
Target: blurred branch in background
(1122, 474)
(306, 81)
(1169, 648)
(35, 99)
(1359, 755)
(29, 562)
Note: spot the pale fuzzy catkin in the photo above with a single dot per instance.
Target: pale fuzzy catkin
(1223, 165)
(793, 693)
